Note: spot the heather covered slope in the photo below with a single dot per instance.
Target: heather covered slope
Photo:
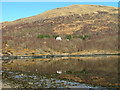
(83, 28)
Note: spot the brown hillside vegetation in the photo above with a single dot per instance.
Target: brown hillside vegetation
(82, 28)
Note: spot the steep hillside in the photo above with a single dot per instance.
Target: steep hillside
(90, 28)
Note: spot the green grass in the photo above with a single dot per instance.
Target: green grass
(43, 36)
(69, 37)
(83, 37)
(47, 36)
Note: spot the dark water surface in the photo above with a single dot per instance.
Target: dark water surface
(63, 72)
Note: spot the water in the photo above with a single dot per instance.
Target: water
(42, 73)
(35, 81)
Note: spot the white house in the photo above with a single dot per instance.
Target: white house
(58, 38)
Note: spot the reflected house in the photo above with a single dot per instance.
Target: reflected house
(59, 72)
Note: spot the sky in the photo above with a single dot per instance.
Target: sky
(16, 10)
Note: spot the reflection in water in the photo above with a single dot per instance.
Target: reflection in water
(106, 68)
(98, 64)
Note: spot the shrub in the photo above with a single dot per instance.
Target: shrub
(83, 37)
(43, 36)
(47, 36)
(54, 36)
(69, 37)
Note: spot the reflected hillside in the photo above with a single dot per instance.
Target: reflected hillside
(93, 70)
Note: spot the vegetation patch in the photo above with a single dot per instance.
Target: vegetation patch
(69, 37)
(47, 36)
(83, 37)
(43, 36)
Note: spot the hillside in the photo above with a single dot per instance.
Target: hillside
(83, 28)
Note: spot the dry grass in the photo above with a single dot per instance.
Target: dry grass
(99, 22)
